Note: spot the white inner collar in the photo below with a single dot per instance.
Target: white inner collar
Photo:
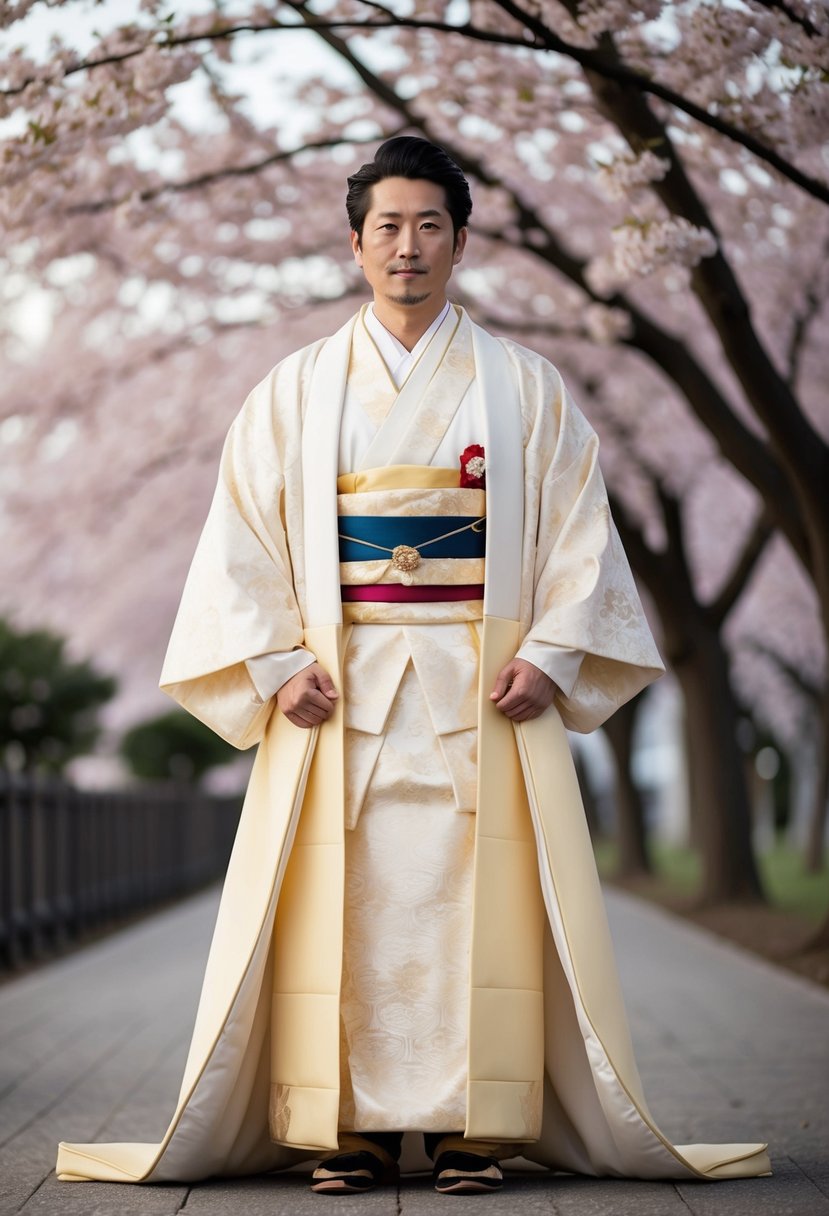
(399, 360)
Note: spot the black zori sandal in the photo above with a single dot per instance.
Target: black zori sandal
(347, 1173)
(457, 1173)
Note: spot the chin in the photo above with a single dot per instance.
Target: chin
(410, 298)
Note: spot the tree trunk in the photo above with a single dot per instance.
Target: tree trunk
(723, 811)
(815, 858)
(631, 834)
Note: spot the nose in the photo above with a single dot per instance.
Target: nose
(408, 245)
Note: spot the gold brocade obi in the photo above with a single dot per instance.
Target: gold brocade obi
(412, 546)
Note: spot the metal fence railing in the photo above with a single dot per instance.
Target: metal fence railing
(73, 862)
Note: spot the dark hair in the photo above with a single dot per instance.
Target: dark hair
(419, 160)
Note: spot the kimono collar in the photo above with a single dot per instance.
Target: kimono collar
(498, 389)
(399, 360)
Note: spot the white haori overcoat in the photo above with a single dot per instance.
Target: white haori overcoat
(549, 1058)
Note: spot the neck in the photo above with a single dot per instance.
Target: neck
(408, 323)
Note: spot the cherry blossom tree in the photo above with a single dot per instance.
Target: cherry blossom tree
(650, 210)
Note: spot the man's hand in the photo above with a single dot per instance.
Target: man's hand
(308, 697)
(522, 690)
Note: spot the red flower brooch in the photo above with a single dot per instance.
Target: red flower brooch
(473, 467)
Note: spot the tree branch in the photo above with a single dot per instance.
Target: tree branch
(812, 305)
(543, 39)
(812, 691)
(508, 325)
(672, 518)
(617, 72)
(217, 175)
(169, 41)
(739, 445)
(801, 451)
(742, 571)
(780, 6)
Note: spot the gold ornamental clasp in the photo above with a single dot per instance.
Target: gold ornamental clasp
(405, 558)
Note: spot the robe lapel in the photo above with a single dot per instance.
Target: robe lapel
(504, 450)
(506, 1000)
(428, 400)
(320, 453)
(308, 929)
(370, 382)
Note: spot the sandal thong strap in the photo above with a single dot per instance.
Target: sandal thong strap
(360, 1171)
(457, 1171)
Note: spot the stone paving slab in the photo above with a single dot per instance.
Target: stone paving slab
(92, 1047)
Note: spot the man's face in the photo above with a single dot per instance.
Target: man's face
(408, 246)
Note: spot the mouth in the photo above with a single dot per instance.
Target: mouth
(407, 273)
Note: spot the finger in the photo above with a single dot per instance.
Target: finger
(502, 683)
(298, 720)
(314, 712)
(310, 705)
(519, 708)
(326, 687)
(512, 698)
(312, 698)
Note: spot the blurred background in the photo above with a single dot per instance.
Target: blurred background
(651, 211)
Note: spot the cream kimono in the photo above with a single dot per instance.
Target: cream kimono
(545, 1058)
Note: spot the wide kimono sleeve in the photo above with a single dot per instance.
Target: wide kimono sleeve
(583, 593)
(239, 599)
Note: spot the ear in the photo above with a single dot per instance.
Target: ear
(355, 248)
(460, 245)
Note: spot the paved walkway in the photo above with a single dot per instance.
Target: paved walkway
(92, 1047)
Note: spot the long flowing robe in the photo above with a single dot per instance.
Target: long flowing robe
(549, 1058)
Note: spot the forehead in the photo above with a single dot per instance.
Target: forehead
(405, 196)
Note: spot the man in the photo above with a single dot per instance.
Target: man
(408, 584)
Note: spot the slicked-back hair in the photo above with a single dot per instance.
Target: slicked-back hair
(419, 160)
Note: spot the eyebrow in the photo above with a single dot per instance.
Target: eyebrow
(395, 215)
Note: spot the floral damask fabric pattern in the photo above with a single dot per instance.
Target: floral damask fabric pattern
(406, 946)
(445, 659)
(280, 1114)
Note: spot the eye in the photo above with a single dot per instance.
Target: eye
(428, 224)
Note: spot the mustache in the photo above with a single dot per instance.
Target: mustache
(415, 269)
